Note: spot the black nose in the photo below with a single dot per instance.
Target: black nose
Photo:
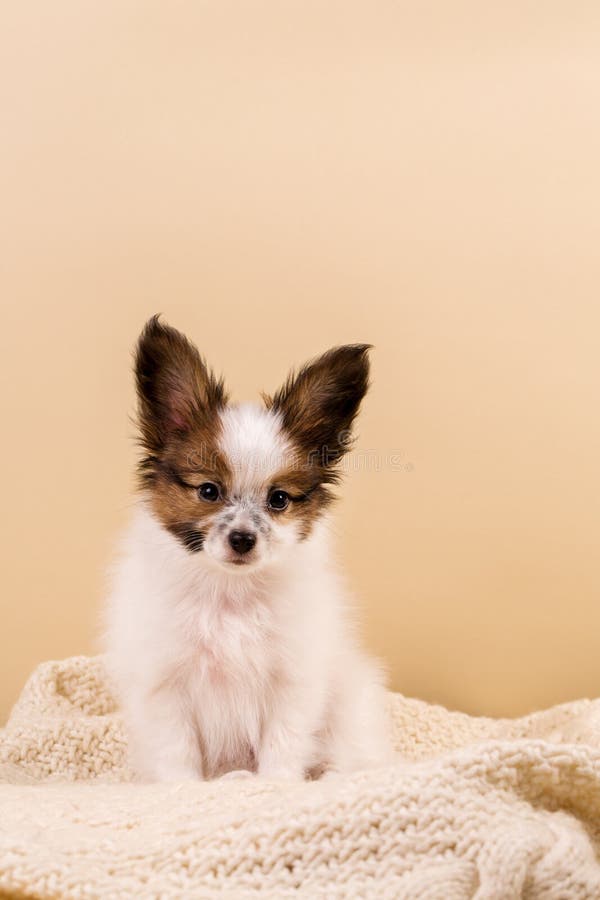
(242, 541)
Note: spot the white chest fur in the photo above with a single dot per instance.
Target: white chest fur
(219, 672)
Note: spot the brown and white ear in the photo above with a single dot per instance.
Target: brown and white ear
(319, 404)
(176, 391)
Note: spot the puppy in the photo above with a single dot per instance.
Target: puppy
(228, 635)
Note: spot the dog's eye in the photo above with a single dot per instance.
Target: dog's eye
(278, 500)
(208, 491)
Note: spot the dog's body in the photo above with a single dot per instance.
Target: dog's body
(228, 633)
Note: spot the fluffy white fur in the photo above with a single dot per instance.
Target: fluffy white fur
(252, 668)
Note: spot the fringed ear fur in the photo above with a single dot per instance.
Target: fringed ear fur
(176, 391)
(319, 403)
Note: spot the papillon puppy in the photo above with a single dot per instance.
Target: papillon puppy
(228, 632)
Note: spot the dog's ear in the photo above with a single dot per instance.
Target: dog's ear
(319, 404)
(176, 391)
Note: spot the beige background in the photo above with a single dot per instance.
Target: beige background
(276, 178)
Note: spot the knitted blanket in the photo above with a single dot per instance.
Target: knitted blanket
(473, 808)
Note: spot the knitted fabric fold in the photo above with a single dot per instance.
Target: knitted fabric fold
(473, 807)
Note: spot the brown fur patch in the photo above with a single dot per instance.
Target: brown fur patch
(308, 497)
(320, 403)
(176, 478)
(177, 393)
(179, 400)
(318, 407)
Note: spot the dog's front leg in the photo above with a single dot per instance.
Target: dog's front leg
(164, 745)
(288, 745)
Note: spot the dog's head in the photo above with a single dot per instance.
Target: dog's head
(241, 484)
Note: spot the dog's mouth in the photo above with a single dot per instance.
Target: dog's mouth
(241, 563)
(247, 561)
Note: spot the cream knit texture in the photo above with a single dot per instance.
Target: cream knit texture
(483, 808)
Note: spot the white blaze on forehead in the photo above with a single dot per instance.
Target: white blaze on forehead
(254, 445)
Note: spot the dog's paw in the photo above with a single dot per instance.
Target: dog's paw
(281, 773)
(236, 774)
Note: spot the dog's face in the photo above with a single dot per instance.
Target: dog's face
(241, 485)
